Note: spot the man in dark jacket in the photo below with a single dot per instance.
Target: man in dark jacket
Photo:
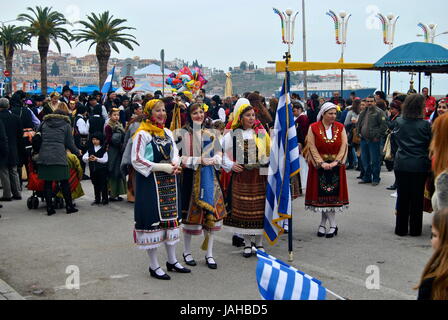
(8, 173)
(3, 149)
(372, 126)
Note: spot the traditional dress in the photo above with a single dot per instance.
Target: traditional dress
(157, 199)
(326, 189)
(247, 196)
(114, 133)
(203, 206)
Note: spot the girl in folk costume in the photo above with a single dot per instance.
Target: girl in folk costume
(81, 132)
(155, 158)
(326, 153)
(203, 207)
(114, 132)
(246, 152)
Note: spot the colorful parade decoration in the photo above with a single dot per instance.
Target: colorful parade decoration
(187, 80)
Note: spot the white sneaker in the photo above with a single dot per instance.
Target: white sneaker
(394, 195)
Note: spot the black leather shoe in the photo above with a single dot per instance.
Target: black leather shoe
(320, 234)
(172, 267)
(335, 233)
(71, 210)
(237, 241)
(191, 262)
(392, 187)
(364, 182)
(210, 265)
(155, 275)
(51, 211)
(247, 254)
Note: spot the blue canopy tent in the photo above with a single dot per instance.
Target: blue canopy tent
(76, 90)
(413, 57)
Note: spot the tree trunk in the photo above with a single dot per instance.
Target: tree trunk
(103, 52)
(9, 55)
(43, 46)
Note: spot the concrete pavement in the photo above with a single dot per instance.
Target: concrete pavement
(40, 255)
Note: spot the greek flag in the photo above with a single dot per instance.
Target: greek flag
(279, 281)
(284, 164)
(107, 87)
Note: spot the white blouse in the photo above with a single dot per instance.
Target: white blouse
(141, 140)
(104, 159)
(227, 163)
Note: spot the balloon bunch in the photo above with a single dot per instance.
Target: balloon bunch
(187, 80)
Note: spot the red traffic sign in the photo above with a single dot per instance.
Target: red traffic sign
(128, 83)
(7, 73)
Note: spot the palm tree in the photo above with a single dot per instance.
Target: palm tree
(47, 26)
(105, 32)
(12, 38)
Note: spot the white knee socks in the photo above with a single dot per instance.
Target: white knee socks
(154, 262)
(210, 248)
(323, 222)
(332, 217)
(187, 247)
(171, 253)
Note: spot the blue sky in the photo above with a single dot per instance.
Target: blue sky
(221, 34)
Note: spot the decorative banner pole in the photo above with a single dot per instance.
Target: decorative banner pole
(288, 19)
(389, 23)
(341, 26)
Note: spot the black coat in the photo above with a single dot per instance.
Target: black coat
(412, 137)
(3, 146)
(56, 138)
(14, 132)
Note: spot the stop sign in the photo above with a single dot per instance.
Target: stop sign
(128, 83)
(7, 73)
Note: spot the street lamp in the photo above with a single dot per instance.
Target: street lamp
(429, 32)
(389, 23)
(341, 26)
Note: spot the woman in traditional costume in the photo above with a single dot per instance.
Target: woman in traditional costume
(115, 133)
(203, 207)
(156, 161)
(246, 153)
(326, 154)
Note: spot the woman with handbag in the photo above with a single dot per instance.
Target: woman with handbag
(353, 138)
(115, 133)
(412, 134)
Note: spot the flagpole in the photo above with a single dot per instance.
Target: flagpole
(287, 58)
(334, 294)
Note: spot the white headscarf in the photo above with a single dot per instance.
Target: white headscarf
(238, 104)
(325, 107)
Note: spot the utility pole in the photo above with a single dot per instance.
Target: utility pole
(305, 73)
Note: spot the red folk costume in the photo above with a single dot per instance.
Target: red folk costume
(326, 189)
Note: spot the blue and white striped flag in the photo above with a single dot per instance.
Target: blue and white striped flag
(283, 165)
(107, 87)
(279, 281)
